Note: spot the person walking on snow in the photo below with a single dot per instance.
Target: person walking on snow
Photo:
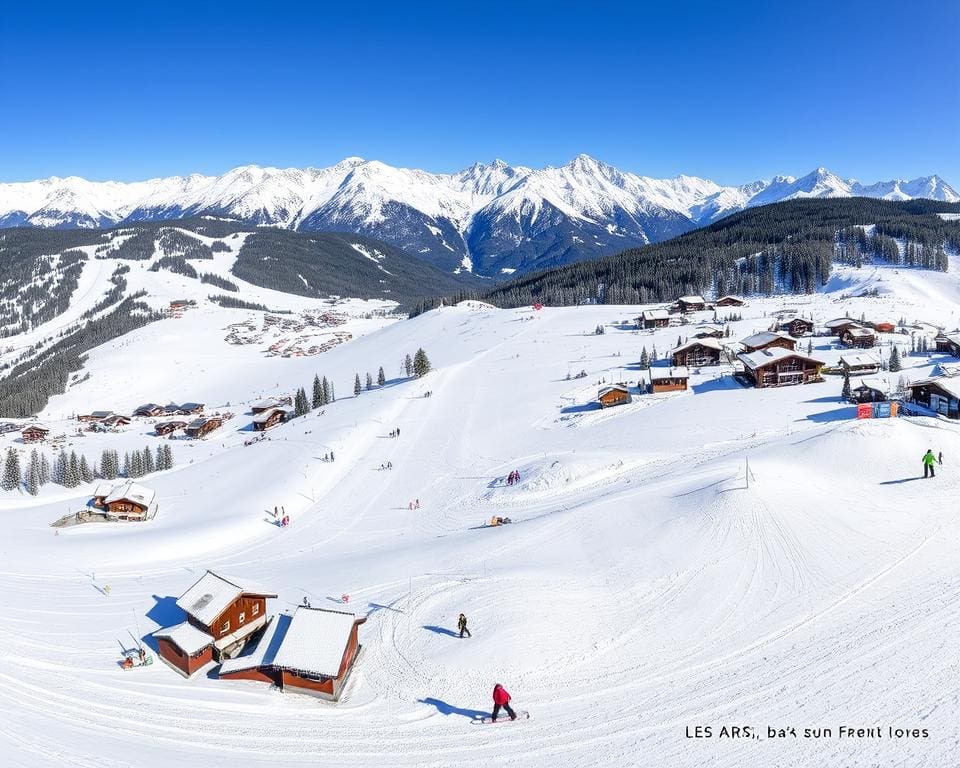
(501, 699)
(462, 626)
(929, 460)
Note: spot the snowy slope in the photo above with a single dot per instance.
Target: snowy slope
(643, 588)
(496, 216)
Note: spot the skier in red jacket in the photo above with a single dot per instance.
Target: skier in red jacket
(501, 699)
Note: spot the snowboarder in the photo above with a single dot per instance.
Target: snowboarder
(929, 460)
(501, 700)
(462, 625)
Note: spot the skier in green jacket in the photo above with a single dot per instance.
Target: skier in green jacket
(929, 462)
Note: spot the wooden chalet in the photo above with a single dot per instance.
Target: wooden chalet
(129, 501)
(697, 352)
(95, 416)
(149, 409)
(169, 427)
(312, 651)
(269, 418)
(708, 331)
(691, 304)
(939, 394)
(779, 367)
(34, 433)
(220, 615)
(766, 340)
(615, 394)
(266, 405)
(948, 342)
(729, 301)
(178, 305)
(870, 390)
(203, 426)
(653, 318)
(841, 324)
(189, 409)
(859, 365)
(797, 327)
(668, 379)
(861, 338)
(115, 420)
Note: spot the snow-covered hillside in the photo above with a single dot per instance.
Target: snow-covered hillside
(643, 589)
(497, 216)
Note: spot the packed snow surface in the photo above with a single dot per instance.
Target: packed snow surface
(650, 582)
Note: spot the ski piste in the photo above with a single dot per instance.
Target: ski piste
(522, 714)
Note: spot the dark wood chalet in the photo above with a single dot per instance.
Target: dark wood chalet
(203, 426)
(615, 394)
(115, 420)
(265, 405)
(697, 352)
(312, 651)
(269, 418)
(778, 367)
(861, 338)
(766, 340)
(668, 379)
(859, 364)
(169, 427)
(149, 409)
(798, 327)
(948, 342)
(34, 433)
(691, 303)
(708, 331)
(729, 301)
(940, 394)
(841, 324)
(127, 501)
(654, 318)
(95, 416)
(220, 614)
(189, 409)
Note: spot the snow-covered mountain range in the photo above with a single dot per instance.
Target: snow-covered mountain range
(492, 219)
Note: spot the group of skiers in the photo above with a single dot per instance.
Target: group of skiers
(395, 432)
(501, 699)
(388, 465)
(513, 477)
(281, 516)
(415, 504)
(929, 461)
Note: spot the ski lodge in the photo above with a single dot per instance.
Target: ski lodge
(797, 327)
(220, 616)
(615, 394)
(34, 433)
(729, 301)
(779, 367)
(95, 416)
(668, 379)
(862, 338)
(268, 404)
(128, 501)
(766, 340)
(697, 352)
(940, 394)
(841, 324)
(654, 318)
(858, 365)
(269, 418)
(149, 409)
(312, 651)
(203, 426)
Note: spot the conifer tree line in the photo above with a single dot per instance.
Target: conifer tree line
(71, 470)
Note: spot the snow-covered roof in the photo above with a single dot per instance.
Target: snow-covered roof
(266, 415)
(878, 383)
(841, 321)
(679, 372)
(186, 636)
(213, 594)
(946, 383)
(190, 406)
(655, 314)
(706, 342)
(858, 332)
(730, 296)
(764, 337)
(764, 357)
(315, 640)
(859, 361)
(612, 388)
(100, 414)
(36, 426)
(270, 402)
(102, 490)
(134, 492)
(691, 300)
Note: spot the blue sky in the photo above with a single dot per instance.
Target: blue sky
(730, 91)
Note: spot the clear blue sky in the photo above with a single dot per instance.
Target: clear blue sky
(731, 91)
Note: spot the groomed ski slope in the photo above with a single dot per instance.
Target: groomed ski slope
(643, 588)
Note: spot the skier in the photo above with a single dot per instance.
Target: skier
(501, 699)
(462, 626)
(929, 460)
(940, 458)
(416, 504)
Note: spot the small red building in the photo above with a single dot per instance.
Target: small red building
(313, 651)
(668, 379)
(220, 615)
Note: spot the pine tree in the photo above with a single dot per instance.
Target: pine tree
(126, 465)
(421, 363)
(60, 469)
(408, 366)
(326, 391)
(73, 471)
(317, 392)
(86, 474)
(109, 465)
(44, 469)
(301, 406)
(845, 392)
(160, 460)
(644, 359)
(653, 354)
(167, 456)
(136, 464)
(369, 381)
(381, 377)
(894, 364)
(11, 471)
(333, 394)
(32, 477)
(148, 465)
(357, 388)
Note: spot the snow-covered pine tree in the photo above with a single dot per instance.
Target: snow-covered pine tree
(894, 363)
(11, 471)
(369, 381)
(136, 464)
(653, 354)
(845, 392)
(148, 465)
(357, 388)
(326, 390)
(408, 365)
(159, 460)
(60, 469)
(126, 465)
(44, 469)
(168, 456)
(73, 471)
(317, 391)
(381, 377)
(644, 359)
(32, 476)
(86, 474)
(421, 363)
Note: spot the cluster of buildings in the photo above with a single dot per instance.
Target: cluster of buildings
(225, 621)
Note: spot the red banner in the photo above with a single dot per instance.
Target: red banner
(865, 411)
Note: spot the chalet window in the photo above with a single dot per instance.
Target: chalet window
(241, 618)
(225, 628)
(256, 609)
